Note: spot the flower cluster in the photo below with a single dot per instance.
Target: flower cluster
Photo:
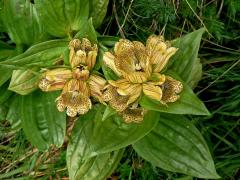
(78, 83)
(139, 69)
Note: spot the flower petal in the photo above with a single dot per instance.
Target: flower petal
(82, 53)
(109, 61)
(91, 59)
(164, 58)
(155, 44)
(71, 112)
(132, 62)
(152, 91)
(79, 58)
(125, 88)
(135, 95)
(75, 102)
(159, 52)
(96, 85)
(84, 105)
(142, 57)
(55, 79)
(116, 101)
(122, 46)
(170, 89)
(133, 115)
(80, 72)
(158, 79)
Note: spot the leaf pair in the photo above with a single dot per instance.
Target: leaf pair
(172, 143)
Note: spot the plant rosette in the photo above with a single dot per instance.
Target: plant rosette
(140, 100)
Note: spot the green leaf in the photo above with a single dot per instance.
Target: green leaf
(2, 28)
(42, 54)
(13, 115)
(24, 81)
(185, 62)
(87, 31)
(108, 41)
(63, 17)
(22, 22)
(98, 10)
(188, 103)
(6, 51)
(108, 113)
(91, 136)
(42, 123)
(3, 113)
(7, 74)
(98, 167)
(176, 145)
(4, 93)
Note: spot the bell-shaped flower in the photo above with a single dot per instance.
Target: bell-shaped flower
(78, 83)
(139, 68)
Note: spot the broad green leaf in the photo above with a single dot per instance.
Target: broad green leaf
(176, 145)
(2, 27)
(5, 75)
(188, 103)
(185, 62)
(109, 111)
(87, 31)
(13, 114)
(63, 17)
(24, 81)
(6, 51)
(98, 167)
(98, 10)
(22, 22)
(196, 74)
(42, 54)
(91, 136)
(108, 41)
(42, 123)
(4, 93)
(3, 113)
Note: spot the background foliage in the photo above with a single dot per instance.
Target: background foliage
(219, 88)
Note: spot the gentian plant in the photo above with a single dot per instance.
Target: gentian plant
(119, 92)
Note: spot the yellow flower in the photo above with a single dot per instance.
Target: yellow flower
(77, 84)
(139, 68)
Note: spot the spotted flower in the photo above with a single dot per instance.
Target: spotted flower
(77, 83)
(139, 68)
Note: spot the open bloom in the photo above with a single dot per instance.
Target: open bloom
(139, 68)
(78, 83)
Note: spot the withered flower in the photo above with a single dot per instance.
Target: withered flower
(139, 68)
(77, 83)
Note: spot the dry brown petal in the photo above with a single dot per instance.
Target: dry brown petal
(116, 101)
(134, 115)
(55, 79)
(170, 90)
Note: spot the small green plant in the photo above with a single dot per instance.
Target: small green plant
(119, 92)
